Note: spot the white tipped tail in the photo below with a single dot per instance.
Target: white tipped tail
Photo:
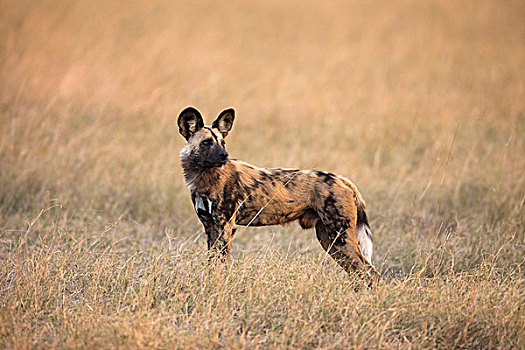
(364, 239)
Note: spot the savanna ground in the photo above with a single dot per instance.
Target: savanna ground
(421, 103)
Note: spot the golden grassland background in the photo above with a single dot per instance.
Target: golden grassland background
(420, 103)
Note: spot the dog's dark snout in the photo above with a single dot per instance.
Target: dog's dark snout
(223, 155)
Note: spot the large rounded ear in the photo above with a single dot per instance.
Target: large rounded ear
(190, 121)
(224, 121)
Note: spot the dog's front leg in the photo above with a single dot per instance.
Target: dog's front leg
(219, 239)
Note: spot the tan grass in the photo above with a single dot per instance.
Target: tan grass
(421, 103)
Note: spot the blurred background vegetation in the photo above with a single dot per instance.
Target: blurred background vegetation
(420, 103)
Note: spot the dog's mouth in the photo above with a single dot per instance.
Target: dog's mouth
(216, 164)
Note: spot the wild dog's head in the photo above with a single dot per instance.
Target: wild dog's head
(205, 144)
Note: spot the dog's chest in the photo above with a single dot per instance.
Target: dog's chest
(203, 205)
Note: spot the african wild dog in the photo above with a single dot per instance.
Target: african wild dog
(228, 192)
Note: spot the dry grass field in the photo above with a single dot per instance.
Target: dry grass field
(420, 103)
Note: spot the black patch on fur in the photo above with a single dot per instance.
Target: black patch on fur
(362, 218)
(330, 206)
(212, 134)
(264, 176)
(290, 184)
(279, 171)
(340, 238)
(327, 178)
(253, 186)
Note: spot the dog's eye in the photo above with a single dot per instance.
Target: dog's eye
(223, 143)
(206, 142)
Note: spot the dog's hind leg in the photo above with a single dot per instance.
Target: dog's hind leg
(344, 249)
(336, 230)
(328, 242)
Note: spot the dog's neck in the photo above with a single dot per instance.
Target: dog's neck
(202, 180)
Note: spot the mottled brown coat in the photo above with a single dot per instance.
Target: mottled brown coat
(228, 192)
